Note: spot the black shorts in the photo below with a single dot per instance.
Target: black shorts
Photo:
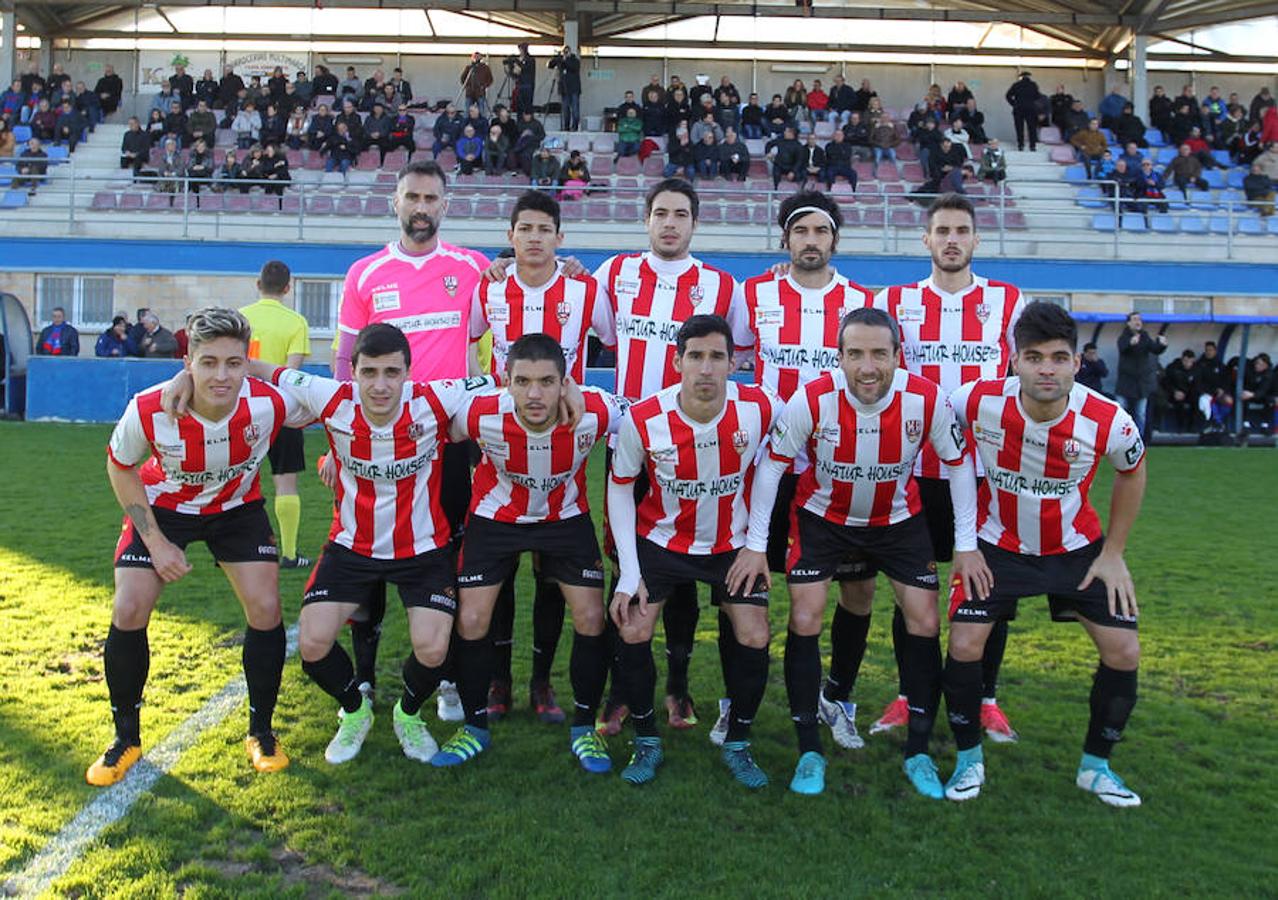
(902, 551)
(343, 576)
(568, 551)
(239, 535)
(663, 570)
(287, 452)
(938, 510)
(455, 464)
(1018, 575)
(850, 569)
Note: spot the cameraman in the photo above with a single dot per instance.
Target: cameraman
(523, 69)
(569, 66)
(475, 80)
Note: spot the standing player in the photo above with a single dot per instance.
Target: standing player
(423, 287)
(198, 482)
(1042, 437)
(536, 296)
(696, 441)
(794, 320)
(282, 337)
(530, 495)
(956, 327)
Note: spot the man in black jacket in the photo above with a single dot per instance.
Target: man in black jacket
(1023, 97)
(811, 160)
(838, 161)
(783, 152)
(525, 73)
(109, 88)
(858, 135)
(569, 66)
(1214, 387)
(1258, 394)
(1137, 367)
(135, 149)
(1181, 391)
(1092, 369)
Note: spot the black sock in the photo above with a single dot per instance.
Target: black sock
(680, 616)
(962, 684)
(502, 631)
(992, 661)
(923, 690)
(472, 661)
(899, 635)
(126, 659)
(750, 672)
(1112, 700)
(587, 669)
(848, 633)
(263, 660)
(366, 635)
(616, 689)
(802, 682)
(420, 681)
(640, 675)
(548, 624)
(336, 676)
(727, 644)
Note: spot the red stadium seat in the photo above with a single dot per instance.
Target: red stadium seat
(103, 200)
(629, 166)
(350, 205)
(377, 206)
(211, 202)
(131, 201)
(320, 205)
(158, 200)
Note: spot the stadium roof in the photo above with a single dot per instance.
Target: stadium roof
(1097, 29)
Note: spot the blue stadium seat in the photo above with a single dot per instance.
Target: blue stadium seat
(1134, 222)
(1214, 177)
(1250, 225)
(1092, 198)
(1103, 222)
(1154, 138)
(1235, 178)
(1176, 201)
(1219, 225)
(7, 171)
(1076, 174)
(57, 152)
(1273, 224)
(13, 199)
(1109, 135)
(1164, 155)
(1202, 199)
(1163, 223)
(1193, 225)
(1222, 157)
(21, 133)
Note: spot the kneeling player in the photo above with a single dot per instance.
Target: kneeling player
(1042, 437)
(530, 495)
(199, 483)
(861, 426)
(697, 442)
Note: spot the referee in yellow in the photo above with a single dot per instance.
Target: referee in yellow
(281, 337)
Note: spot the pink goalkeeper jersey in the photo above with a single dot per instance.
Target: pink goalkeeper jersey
(426, 297)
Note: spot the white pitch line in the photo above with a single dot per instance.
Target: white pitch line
(111, 804)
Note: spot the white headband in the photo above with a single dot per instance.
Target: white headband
(804, 210)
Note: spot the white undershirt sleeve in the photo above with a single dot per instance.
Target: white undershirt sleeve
(963, 498)
(621, 519)
(763, 496)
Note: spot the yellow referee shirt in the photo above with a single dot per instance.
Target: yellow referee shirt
(278, 331)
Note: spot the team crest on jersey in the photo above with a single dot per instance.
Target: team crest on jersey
(913, 430)
(450, 285)
(563, 310)
(1072, 449)
(982, 312)
(741, 440)
(585, 442)
(696, 294)
(415, 431)
(251, 433)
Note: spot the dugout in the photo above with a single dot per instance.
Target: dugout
(16, 347)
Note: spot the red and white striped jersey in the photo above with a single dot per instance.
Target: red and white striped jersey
(1037, 474)
(386, 503)
(862, 455)
(197, 467)
(795, 330)
(698, 474)
(953, 339)
(651, 299)
(532, 477)
(564, 308)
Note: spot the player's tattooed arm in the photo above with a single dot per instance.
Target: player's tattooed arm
(167, 558)
(140, 515)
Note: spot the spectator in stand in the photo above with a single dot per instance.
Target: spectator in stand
(470, 150)
(387, 96)
(654, 85)
(275, 84)
(1186, 171)
(403, 127)
(1133, 157)
(842, 101)
(873, 112)
(1090, 145)
(776, 118)
(1259, 189)
(206, 89)
(1059, 106)
(59, 337)
(528, 137)
(201, 124)
(523, 95)
(883, 141)
(200, 166)
(654, 112)
(447, 130)
(784, 154)
(1213, 384)
(973, 121)
(1258, 394)
(1076, 120)
(575, 177)
(1269, 125)
(274, 125)
(353, 88)
(228, 88)
(44, 122)
(175, 124)
(324, 84)
(30, 105)
(87, 105)
(1233, 132)
(275, 170)
(811, 160)
(681, 157)
(12, 102)
(171, 169)
(958, 136)
(569, 65)
(70, 126)
(734, 157)
(295, 135)
(1023, 97)
(752, 124)
(858, 135)
(58, 89)
(373, 89)
(678, 110)
(1137, 367)
(629, 133)
(704, 124)
(32, 167)
(1111, 107)
(993, 163)
(340, 150)
(818, 102)
(377, 130)
(1091, 369)
(228, 173)
(1180, 392)
(918, 116)
(8, 143)
(289, 101)
(403, 90)
(156, 342)
(1264, 100)
(32, 79)
(109, 89)
(1148, 185)
(959, 95)
(796, 103)
(861, 101)
(1128, 128)
(1209, 128)
(928, 143)
(303, 90)
(184, 86)
(354, 124)
(727, 104)
(702, 89)
(322, 124)
(705, 154)
(155, 128)
(496, 149)
(627, 103)
(545, 169)
(838, 161)
(1201, 150)
(1215, 103)
(114, 342)
(946, 162)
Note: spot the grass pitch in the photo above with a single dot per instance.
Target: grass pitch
(1202, 747)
